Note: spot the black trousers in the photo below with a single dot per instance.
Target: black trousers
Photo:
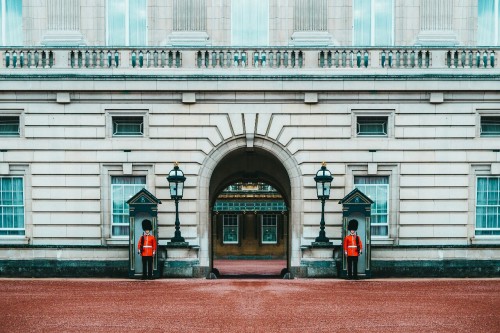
(352, 267)
(147, 267)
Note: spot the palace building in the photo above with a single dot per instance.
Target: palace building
(399, 98)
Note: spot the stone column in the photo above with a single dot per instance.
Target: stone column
(63, 23)
(310, 22)
(189, 23)
(436, 23)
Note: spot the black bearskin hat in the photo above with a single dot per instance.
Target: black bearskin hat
(353, 225)
(147, 225)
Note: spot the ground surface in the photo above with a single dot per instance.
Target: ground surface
(249, 305)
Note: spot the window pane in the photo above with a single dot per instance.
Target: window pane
(116, 22)
(362, 22)
(9, 126)
(490, 126)
(383, 22)
(486, 23)
(137, 22)
(377, 189)
(230, 229)
(269, 229)
(371, 125)
(249, 22)
(128, 126)
(13, 18)
(488, 206)
(11, 206)
(122, 189)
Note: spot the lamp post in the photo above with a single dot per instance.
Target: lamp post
(323, 181)
(176, 181)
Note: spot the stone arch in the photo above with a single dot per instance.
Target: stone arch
(295, 201)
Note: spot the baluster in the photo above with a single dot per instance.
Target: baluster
(329, 59)
(14, 59)
(285, 59)
(405, 59)
(366, 59)
(279, 61)
(51, 59)
(148, 59)
(344, 59)
(382, 61)
(7, 59)
(117, 58)
(198, 59)
(214, 59)
(171, 59)
(492, 59)
(178, 59)
(44, 59)
(221, 59)
(478, 59)
(109, 59)
(94, 59)
(228, 59)
(164, 59)
(390, 58)
(351, 59)
(80, 59)
(427, 59)
(485, 59)
(141, 59)
(271, 59)
(462, 58)
(155, 59)
(293, 59)
(236, 59)
(301, 59)
(243, 59)
(102, 60)
(134, 59)
(412, 59)
(256, 59)
(30, 59)
(21, 59)
(336, 59)
(321, 59)
(87, 59)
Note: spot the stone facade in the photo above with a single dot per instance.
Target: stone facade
(202, 104)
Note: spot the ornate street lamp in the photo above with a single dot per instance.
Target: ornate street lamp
(176, 181)
(323, 181)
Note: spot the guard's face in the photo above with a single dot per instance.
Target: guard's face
(147, 232)
(352, 232)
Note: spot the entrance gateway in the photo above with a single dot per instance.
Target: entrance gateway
(249, 200)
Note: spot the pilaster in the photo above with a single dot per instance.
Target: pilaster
(63, 18)
(436, 23)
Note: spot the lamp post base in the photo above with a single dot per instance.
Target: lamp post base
(174, 243)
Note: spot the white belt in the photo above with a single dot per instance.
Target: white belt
(147, 246)
(352, 246)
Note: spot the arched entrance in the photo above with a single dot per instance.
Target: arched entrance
(250, 199)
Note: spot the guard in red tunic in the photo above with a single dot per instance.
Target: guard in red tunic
(147, 249)
(353, 248)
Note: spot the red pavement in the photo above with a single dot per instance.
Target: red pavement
(249, 267)
(250, 305)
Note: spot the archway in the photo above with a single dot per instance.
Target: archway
(250, 196)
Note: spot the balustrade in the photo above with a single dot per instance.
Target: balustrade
(284, 58)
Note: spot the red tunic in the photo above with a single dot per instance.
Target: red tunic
(351, 245)
(148, 244)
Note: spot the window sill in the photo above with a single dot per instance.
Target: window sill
(117, 241)
(485, 240)
(9, 240)
(382, 241)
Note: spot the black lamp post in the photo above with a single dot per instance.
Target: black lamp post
(323, 181)
(176, 181)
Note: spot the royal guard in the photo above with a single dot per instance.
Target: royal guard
(353, 248)
(147, 249)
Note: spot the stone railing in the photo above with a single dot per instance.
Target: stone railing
(284, 58)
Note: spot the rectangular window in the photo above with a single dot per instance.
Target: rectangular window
(269, 229)
(488, 18)
(128, 126)
(490, 125)
(488, 206)
(230, 229)
(371, 126)
(9, 126)
(249, 23)
(373, 22)
(126, 22)
(11, 206)
(377, 189)
(122, 189)
(11, 22)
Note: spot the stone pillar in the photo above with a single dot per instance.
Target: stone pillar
(189, 23)
(310, 22)
(436, 23)
(63, 23)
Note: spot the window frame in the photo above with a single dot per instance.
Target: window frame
(496, 32)
(123, 112)
(375, 112)
(485, 134)
(388, 209)
(224, 226)
(116, 120)
(373, 25)
(127, 24)
(23, 229)
(373, 120)
(122, 214)
(275, 227)
(18, 133)
(497, 207)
